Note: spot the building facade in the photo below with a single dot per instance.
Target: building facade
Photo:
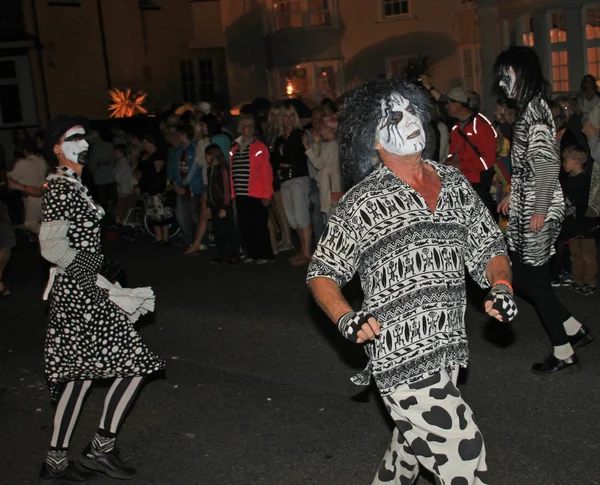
(62, 56)
(564, 33)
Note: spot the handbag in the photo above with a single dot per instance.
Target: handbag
(113, 272)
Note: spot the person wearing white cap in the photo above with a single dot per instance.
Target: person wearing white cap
(472, 140)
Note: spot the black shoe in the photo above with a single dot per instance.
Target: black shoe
(69, 474)
(552, 364)
(583, 337)
(108, 463)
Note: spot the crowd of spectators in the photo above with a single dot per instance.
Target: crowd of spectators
(267, 183)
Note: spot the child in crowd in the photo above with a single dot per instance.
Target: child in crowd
(325, 157)
(125, 184)
(219, 205)
(578, 228)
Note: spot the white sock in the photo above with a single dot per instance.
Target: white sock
(563, 352)
(572, 326)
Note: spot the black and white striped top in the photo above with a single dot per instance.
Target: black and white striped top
(240, 170)
(535, 188)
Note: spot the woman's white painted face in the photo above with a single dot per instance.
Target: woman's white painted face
(508, 82)
(400, 130)
(74, 145)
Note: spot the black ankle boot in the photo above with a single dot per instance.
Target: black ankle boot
(552, 364)
(108, 463)
(583, 337)
(69, 474)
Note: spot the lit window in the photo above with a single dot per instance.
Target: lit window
(592, 24)
(288, 14)
(319, 13)
(558, 29)
(560, 72)
(593, 58)
(296, 14)
(394, 8)
(298, 80)
(528, 31)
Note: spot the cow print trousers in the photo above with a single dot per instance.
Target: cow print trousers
(434, 429)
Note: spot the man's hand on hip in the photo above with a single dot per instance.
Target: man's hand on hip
(359, 327)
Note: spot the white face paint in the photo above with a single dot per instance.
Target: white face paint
(508, 82)
(400, 130)
(74, 145)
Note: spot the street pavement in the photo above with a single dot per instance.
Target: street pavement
(257, 388)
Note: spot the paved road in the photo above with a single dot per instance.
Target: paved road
(257, 389)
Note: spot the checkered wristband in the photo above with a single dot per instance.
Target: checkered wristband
(503, 301)
(350, 324)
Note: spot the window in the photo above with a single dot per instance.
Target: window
(560, 72)
(199, 79)
(188, 81)
(309, 80)
(593, 59)
(288, 14)
(206, 77)
(319, 13)
(297, 14)
(10, 99)
(394, 8)
(558, 28)
(592, 23)
(527, 22)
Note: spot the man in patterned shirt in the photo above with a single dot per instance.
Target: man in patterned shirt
(409, 228)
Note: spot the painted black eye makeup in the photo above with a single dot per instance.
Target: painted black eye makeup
(75, 137)
(396, 116)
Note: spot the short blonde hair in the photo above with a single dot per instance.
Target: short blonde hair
(243, 118)
(289, 109)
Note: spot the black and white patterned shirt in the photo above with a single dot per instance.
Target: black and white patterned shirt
(411, 266)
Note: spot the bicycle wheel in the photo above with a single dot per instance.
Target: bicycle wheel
(173, 227)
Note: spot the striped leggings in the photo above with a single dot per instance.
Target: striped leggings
(118, 400)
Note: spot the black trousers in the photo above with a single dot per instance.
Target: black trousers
(226, 236)
(253, 219)
(533, 283)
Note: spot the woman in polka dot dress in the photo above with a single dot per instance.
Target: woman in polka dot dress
(90, 332)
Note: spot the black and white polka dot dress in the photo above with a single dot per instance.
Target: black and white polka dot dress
(88, 336)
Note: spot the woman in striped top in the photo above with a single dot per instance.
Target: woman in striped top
(535, 204)
(252, 183)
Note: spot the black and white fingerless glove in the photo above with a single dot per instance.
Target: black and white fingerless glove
(351, 323)
(503, 301)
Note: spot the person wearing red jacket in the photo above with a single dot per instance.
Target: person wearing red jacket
(472, 141)
(252, 187)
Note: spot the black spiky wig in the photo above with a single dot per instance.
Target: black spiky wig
(361, 114)
(528, 73)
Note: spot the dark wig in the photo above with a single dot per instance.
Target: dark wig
(360, 116)
(530, 81)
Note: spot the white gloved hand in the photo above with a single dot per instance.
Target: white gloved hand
(135, 302)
